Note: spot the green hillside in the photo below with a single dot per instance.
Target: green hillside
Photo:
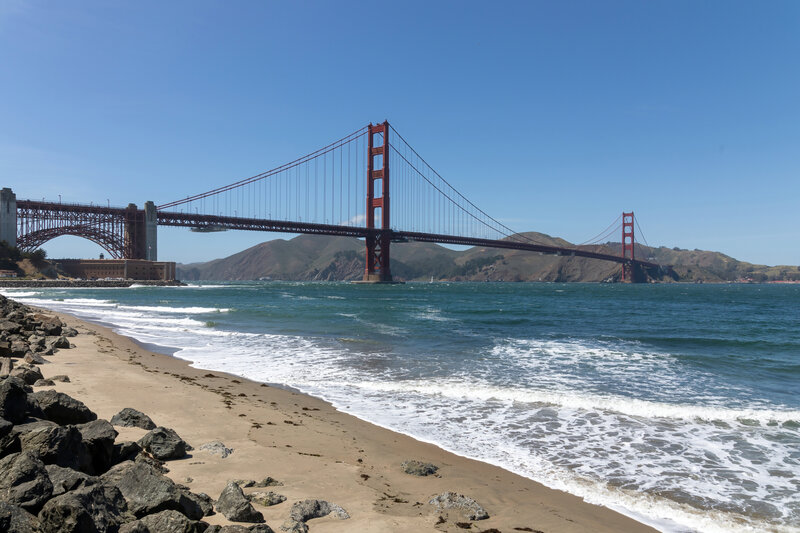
(314, 257)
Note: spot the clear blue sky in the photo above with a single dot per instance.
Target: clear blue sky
(552, 116)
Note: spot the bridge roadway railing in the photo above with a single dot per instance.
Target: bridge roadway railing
(514, 245)
(64, 211)
(212, 222)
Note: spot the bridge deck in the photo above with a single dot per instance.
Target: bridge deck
(190, 220)
(58, 212)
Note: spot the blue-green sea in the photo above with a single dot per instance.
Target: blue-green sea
(676, 404)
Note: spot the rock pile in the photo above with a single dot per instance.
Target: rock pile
(62, 470)
(28, 335)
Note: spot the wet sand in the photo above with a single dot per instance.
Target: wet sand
(313, 449)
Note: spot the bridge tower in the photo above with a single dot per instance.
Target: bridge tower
(150, 231)
(627, 246)
(141, 232)
(8, 216)
(377, 266)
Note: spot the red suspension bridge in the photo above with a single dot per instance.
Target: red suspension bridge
(321, 193)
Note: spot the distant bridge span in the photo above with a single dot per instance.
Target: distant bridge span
(321, 193)
(196, 221)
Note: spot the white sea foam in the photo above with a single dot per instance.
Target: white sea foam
(16, 293)
(84, 303)
(457, 389)
(78, 303)
(432, 313)
(608, 453)
(603, 457)
(182, 310)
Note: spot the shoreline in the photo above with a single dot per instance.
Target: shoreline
(321, 452)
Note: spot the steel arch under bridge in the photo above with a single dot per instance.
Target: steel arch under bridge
(125, 233)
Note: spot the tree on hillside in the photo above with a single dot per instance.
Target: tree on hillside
(38, 257)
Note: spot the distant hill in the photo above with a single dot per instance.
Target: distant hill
(315, 257)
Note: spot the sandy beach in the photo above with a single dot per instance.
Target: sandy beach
(306, 444)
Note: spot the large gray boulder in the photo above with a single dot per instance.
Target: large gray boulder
(163, 443)
(202, 499)
(31, 424)
(19, 348)
(13, 399)
(9, 441)
(125, 451)
(164, 522)
(9, 328)
(6, 363)
(96, 508)
(469, 508)
(59, 445)
(233, 504)
(30, 374)
(61, 408)
(155, 464)
(36, 342)
(34, 359)
(57, 342)
(131, 418)
(24, 481)
(99, 437)
(49, 325)
(67, 479)
(147, 491)
(291, 526)
(15, 518)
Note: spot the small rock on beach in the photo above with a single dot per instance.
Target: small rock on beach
(266, 499)
(468, 507)
(216, 448)
(418, 468)
(306, 510)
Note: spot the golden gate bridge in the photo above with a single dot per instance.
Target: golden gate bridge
(370, 184)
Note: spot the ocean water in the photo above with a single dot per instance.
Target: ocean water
(676, 404)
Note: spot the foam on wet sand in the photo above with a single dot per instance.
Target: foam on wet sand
(316, 451)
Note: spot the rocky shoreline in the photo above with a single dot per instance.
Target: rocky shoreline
(62, 468)
(72, 283)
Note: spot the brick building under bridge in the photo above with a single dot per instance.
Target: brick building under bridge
(136, 269)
